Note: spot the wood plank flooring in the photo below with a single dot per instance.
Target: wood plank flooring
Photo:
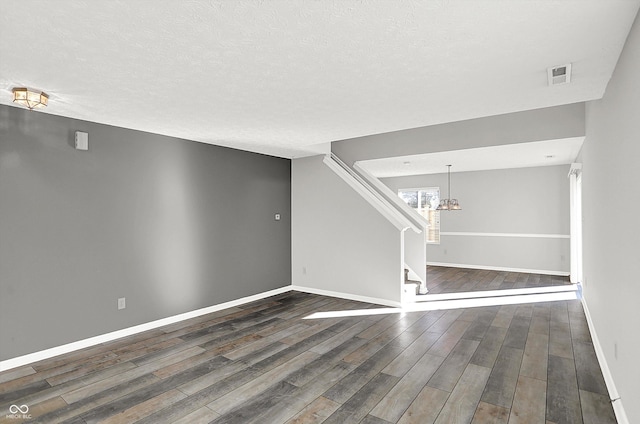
(455, 280)
(264, 363)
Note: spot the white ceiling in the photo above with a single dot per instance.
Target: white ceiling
(286, 77)
(521, 155)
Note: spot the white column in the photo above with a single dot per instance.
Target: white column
(578, 215)
(575, 222)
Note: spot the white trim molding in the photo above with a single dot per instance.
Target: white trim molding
(616, 400)
(103, 338)
(379, 203)
(501, 268)
(393, 197)
(575, 221)
(575, 169)
(347, 296)
(460, 233)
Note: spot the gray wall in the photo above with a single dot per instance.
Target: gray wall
(340, 242)
(533, 125)
(171, 225)
(610, 158)
(512, 201)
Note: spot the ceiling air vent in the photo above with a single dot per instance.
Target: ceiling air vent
(559, 74)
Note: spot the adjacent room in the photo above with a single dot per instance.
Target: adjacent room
(319, 212)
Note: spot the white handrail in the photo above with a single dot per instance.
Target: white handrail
(415, 226)
(408, 211)
(368, 193)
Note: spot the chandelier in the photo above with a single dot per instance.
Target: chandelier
(449, 204)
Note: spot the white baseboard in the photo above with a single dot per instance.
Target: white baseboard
(616, 402)
(348, 296)
(520, 235)
(103, 338)
(500, 268)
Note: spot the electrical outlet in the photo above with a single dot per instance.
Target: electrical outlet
(277, 217)
(122, 303)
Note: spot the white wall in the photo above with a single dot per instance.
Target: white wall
(415, 244)
(340, 243)
(415, 253)
(610, 157)
(524, 201)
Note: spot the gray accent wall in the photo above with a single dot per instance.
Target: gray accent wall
(170, 224)
(529, 201)
(611, 286)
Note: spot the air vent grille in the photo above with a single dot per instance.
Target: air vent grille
(559, 74)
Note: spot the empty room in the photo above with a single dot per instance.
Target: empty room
(311, 211)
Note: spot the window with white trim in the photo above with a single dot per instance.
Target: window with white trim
(425, 201)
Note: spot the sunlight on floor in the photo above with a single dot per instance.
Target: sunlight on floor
(470, 300)
(493, 293)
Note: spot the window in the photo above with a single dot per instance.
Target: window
(425, 201)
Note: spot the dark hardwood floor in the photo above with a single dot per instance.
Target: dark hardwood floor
(455, 280)
(264, 363)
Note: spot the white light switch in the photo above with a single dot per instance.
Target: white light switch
(122, 303)
(82, 140)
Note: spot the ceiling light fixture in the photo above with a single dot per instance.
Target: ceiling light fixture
(30, 98)
(449, 204)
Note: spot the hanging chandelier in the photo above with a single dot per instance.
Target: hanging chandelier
(30, 98)
(449, 204)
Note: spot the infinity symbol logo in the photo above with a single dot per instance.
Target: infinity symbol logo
(14, 409)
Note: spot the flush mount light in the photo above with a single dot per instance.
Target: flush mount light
(31, 99)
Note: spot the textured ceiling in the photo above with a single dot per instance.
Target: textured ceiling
(286, 77)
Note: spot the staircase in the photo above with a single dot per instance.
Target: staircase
(381, 237)
(412, 288)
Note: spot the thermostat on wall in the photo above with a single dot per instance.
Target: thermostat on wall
(82, 140)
